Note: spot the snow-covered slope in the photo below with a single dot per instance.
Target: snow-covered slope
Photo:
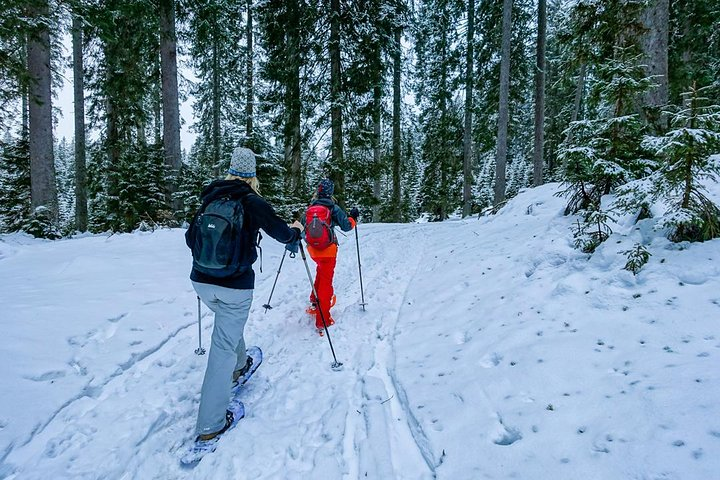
(489, 348)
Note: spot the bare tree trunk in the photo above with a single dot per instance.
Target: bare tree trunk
(170, 104)
(81, 207)
(656, 19)
(24, 103)
(579, 90)
(216, 104)
(467, 136)
(42, 163)
(503, 113)
(538, 158)
(337, 173)
(377, 151)
(250, 93)
(396, 160)
(293, 107)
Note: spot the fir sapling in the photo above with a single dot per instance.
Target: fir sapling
(637, 257)
(592, 231)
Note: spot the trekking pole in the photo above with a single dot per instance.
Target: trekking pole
(200, 350)
(267, 306)
(336, 365)
(357, 243)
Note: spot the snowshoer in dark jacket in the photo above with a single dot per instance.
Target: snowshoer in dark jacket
(230, 297)
(326, 256)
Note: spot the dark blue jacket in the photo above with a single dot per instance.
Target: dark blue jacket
(257, 214)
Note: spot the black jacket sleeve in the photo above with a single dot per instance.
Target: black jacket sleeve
(265, 217)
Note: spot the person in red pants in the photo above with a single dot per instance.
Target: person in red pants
(321, 217)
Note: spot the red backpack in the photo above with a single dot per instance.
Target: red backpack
(318, 227)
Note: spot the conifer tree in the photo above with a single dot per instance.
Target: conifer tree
(438, 69)
(686, 166)
(14, 183)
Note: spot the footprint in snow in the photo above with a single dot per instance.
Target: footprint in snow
(51, 375)
(505, 435)
(117, 318)
(491, 360)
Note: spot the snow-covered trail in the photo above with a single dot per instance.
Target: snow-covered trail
(351, 423)
(490, 348)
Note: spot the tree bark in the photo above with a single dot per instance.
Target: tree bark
(538, 157)
(503, 112)
(249, 73)
(396, 139)
(170, 104)
(81, 207)
(337, 173)
(216, 103)
(656, 20)
(293, 103)
(24, 102)
(42, 163)
(467, 135)
(377, 151)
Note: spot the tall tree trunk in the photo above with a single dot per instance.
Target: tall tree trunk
(170, 104)
(656, 19)
(216, 103)
(579, 90)
(24, 102)
(377, 150)
(81, 207)
(250, 92)
(538, 158)
(42, 163)
(337, 173)
(293, 105)
(396, 139)
(503, 113)
(467, 134)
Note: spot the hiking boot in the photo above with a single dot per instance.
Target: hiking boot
(229, 419)
(312, 309)
(329, 321)
(242, 371)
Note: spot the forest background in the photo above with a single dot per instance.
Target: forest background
(421, 109)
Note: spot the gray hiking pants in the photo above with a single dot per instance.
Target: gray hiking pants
(227, 351)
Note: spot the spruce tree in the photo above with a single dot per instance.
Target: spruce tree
(686, 166)
(15, 207)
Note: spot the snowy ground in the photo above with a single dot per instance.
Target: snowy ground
(489, 349)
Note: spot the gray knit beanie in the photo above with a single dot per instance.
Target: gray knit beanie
(242, 163)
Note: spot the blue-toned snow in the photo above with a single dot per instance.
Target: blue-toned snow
(490, 349)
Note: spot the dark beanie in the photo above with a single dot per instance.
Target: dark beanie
(325, 188)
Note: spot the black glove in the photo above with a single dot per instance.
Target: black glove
(293, 247)
(354, 213)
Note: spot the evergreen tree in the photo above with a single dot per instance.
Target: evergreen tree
(218, 54)
(14, 183)
(604, 152)
(439, 74)
(65, 168)
(687, 164)
(487, 91)
(123, 71)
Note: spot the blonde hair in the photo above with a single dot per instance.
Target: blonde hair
(252, 181)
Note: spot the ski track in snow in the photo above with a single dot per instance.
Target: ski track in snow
(363, 399)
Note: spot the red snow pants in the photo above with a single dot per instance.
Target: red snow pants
(324, 286)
